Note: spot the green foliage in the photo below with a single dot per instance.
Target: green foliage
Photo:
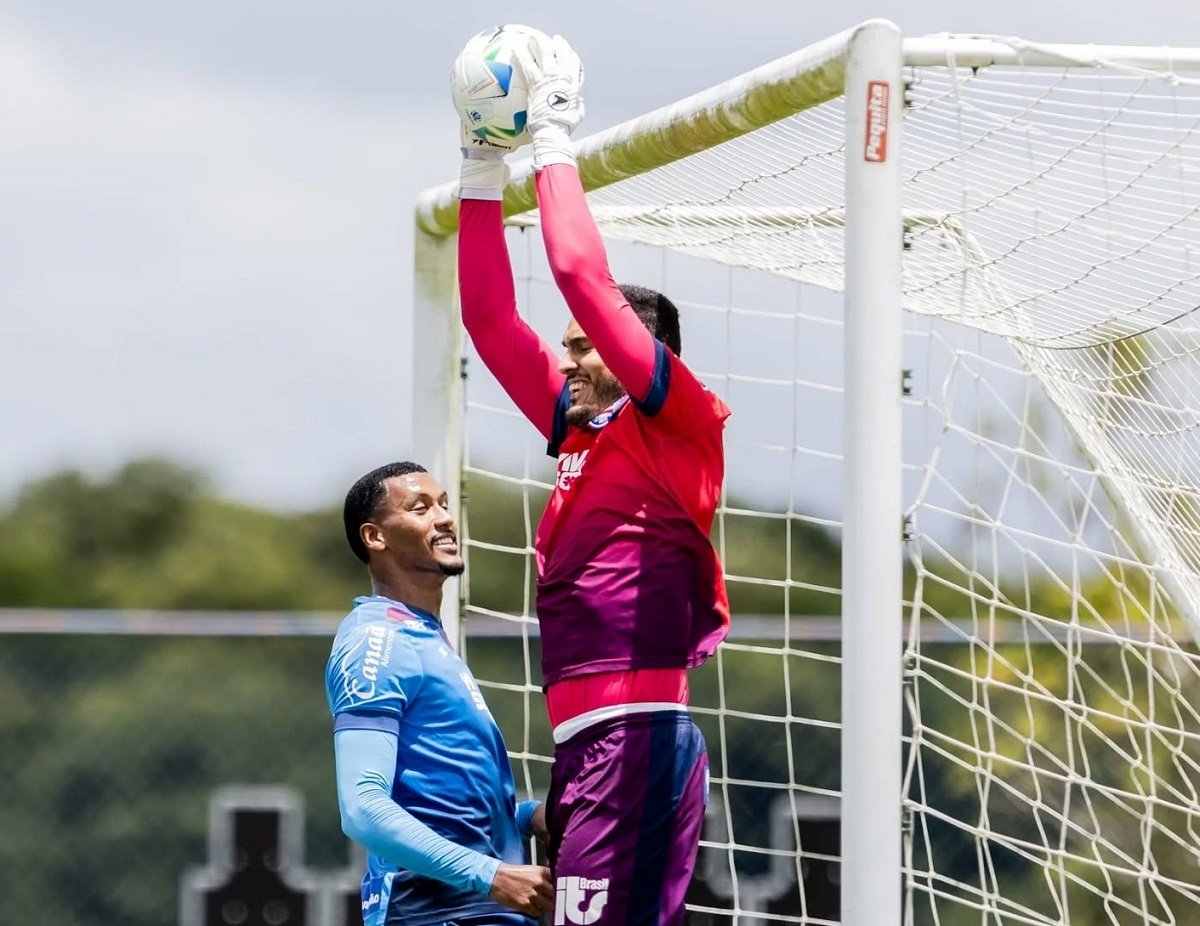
(153, 536)
(115, 771)
(115, 745)
(112, 746)
(761, 552)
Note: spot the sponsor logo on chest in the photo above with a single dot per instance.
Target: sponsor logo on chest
(570, 465)
(473, 690)
(360, 667)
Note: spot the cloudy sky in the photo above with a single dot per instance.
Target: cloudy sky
(205, 239)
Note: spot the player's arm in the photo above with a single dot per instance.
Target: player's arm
(365, 760)
(573, 244)
(524, 364)
(531, 820)
(580, 266)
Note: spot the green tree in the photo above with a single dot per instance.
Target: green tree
(152, 535)
(112, 746)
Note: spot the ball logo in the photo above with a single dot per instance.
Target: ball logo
(572, 903)
(559, 100)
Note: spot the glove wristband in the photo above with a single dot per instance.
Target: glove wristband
(482, 178)
(552, 145)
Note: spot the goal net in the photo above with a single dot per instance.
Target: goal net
(1047, 231)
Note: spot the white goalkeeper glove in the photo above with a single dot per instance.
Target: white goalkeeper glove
(484, 172)
(555, 106)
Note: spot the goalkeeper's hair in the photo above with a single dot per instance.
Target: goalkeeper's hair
(364, 498)
(657, 312)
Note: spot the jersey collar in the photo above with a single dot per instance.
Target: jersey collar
(608, 414)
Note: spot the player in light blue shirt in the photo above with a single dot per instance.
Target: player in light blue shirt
(423, 778)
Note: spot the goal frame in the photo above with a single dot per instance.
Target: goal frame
(865, 66)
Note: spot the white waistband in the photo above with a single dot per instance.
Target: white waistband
(568, 728)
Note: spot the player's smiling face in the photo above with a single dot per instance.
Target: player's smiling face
(590, 384)
(416, 527)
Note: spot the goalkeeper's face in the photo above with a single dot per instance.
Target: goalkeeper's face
(414, 528)
(590, 384)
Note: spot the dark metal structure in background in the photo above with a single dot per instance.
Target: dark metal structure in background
(256, 873)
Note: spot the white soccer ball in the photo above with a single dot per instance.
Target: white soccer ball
(489, 87)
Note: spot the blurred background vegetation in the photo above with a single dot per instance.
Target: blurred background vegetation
(111, 745)
(153, 535)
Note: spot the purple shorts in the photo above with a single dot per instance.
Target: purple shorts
(624, 811)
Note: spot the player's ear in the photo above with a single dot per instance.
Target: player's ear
(372, 537)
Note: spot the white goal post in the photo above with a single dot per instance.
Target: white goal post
(1009, 415)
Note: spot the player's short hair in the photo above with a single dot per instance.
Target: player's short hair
(364, 498)
(657, 312)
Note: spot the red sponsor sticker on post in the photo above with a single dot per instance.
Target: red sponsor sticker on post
(878, 99)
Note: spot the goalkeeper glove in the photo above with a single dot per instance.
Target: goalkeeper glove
(555, 106)
(484, 172)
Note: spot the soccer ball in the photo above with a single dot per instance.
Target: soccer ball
(489, 87)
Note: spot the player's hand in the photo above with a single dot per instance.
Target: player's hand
(484, 172)
(555, 76)
(555, 106)
(537, 823)
(525, 888)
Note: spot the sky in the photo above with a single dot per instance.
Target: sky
(206, 206)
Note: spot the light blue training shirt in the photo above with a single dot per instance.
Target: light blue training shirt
(424, 781)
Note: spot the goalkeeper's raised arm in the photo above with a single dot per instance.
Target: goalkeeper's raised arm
(630, 593)
(524, 364)
(574, 247)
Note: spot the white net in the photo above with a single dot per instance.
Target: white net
(1052, 485)
(768, 703)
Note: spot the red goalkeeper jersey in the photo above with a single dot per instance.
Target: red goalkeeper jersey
(627, 577)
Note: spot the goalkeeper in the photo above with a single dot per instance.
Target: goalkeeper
(630, 591)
